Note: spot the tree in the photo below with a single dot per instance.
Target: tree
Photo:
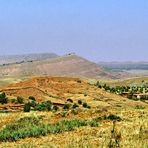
(27, 107)
(3, 98)
(32, 98)
(85, 105)
(66, 106)
(75, 105)
(79, 101)
(20, 100)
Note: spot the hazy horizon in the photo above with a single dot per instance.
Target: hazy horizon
(108, 30)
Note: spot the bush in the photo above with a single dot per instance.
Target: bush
(27, 107)
(75, 105)
(13, 100)
(32, 98)
(55, 108)
(79, 101)
(88, 107)
(109, 117)
(2, 95)
(43, 106)
(70, 100)
(79, 81)
(20, 100)
(32, 103)
(85, 95)
(85, 105)
(66, 106)
(113, 117)
(3, 99)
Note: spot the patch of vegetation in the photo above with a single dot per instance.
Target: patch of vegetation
(80, 102)
(85, 94)
(13, 100)
(33, 103)
(20, 100)
(131, 92)
(70, 100)
(55, 108)
(108, 117)
(3, 98)
(56, 97)
(33, 127)
(75, 105)
(27, 107)
(66, 106)
(139, 107)
(115, 138)
(43, 106)
(85, 105)
(79, 81)
(32, 98)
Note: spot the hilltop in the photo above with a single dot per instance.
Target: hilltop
(24, 58)
(69, 65)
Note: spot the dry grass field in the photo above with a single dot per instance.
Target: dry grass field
(131, 131)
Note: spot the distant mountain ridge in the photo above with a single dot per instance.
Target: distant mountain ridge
(125, 65)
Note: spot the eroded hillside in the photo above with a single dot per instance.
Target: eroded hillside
(59, 89)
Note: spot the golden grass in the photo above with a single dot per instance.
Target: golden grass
(133, 129)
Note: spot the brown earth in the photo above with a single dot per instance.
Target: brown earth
(68, 65)
(59, 89)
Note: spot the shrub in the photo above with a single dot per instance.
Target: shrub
(75, 105)
(13, 100)
(55, 108)
(113, 117)
(79, 81)
(32, 98)
(43, 106)
(32, 103)
(93, 123)
(56, 97)
(70, 100)
(85, 105)
(85, 95)
(2, 95)
(109, 117)
(88, 107)
(79, 101)
(3, 98)
(20, 100)
(27, 107)
(66, 106)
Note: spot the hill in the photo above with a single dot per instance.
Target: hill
(59, 89)
(18, 59)
(110, 121)
(68, 65)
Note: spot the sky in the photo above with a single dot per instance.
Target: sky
(99, 30)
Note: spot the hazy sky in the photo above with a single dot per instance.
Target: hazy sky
(100, 30)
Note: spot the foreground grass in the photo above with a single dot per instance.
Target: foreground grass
(130, 132)
(32, 127)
